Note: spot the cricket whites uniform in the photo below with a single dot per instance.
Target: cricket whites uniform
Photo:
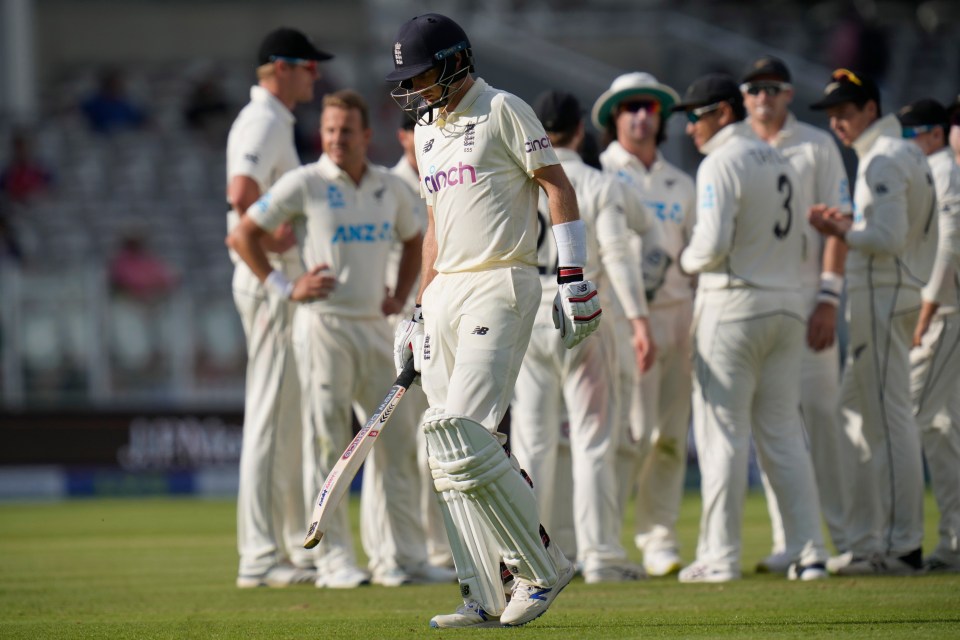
(822, 177)
(892, 247)
(476, 169)
(582, 379)
(749, 326)
(438, 548)
(935, 366)
(660, 399)
(344, 351)
(270, 502)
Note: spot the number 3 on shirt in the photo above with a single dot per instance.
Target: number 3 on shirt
(783, 185)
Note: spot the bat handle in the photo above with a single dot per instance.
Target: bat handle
(408, 375)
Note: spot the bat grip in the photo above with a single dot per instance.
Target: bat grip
(408, 375)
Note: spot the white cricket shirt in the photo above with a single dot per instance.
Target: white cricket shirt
(611, 264)
(816, 158)
(893, 240)
(260, 146)
(749, 212)
(946, 179)
(346, 226)
(670, 196)
(477, 174)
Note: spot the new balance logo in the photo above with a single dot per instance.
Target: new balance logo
(428, 145)
(480, 331)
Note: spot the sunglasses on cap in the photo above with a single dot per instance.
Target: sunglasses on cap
(846, 74)
(633, 106)
(913, 132)
(309, 65)
(694, 115)
(770, 87)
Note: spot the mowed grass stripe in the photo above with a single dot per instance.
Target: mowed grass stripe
(164, 568)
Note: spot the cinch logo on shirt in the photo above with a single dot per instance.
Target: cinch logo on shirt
(363, 233)
(451, 177)
(536, 145)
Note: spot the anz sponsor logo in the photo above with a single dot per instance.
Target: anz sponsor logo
(349, 233)
(673, 213)
(457, 175)
(537, 145)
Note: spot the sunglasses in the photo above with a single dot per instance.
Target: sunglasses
(650, 106)
(846, 74)
(309, 65)
(694, 115)
(913, 132)
(770, 87)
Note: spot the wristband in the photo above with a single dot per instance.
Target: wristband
(569, 274)
(571, 240)
(279, 285)
(831, 286)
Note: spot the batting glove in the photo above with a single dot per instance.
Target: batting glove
(408, 342)
(576, 309)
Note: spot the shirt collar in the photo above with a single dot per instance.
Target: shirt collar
(621, 157)
(466, 102)
(330, 171)
(737, 129)
(886, 126)
(261, 95)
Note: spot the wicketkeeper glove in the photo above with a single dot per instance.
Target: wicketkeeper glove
(576, 309)
(408, 342)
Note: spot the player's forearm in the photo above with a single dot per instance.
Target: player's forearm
(561, 197)
(834, 255)
(245, 240)
(411, 263)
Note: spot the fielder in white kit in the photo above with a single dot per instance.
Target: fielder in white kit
(749, 325)
(438, 549)
(483, 158)
(767, 94)
(582, 379)
(260, 149)
(634, 113)
(346, 213)
(892, 240)
(935, 358)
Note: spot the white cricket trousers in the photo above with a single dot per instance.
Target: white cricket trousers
(819, 399)
(883, 462)
(583, 380)
(660, 420)
(270, 501)
(346, 365)
(746, 360)
(935, 387)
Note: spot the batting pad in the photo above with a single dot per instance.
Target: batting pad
(475, 551)
(476, 466)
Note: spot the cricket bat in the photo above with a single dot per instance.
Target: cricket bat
(341, 476)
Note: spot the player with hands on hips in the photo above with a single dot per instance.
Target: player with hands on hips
(260, 149)
(483, 157)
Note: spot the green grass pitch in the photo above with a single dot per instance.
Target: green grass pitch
(165, 568)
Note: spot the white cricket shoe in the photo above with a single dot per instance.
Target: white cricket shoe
(936, 564)
(807, 572)
(347, 577)
(529, 601)
(625, 572)
(395, 577)
(278, 576)
(469, 614)
(662, 563)
(702, 572)
(432, 574)
(883, 565)
(778, 562)
(835, 563)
